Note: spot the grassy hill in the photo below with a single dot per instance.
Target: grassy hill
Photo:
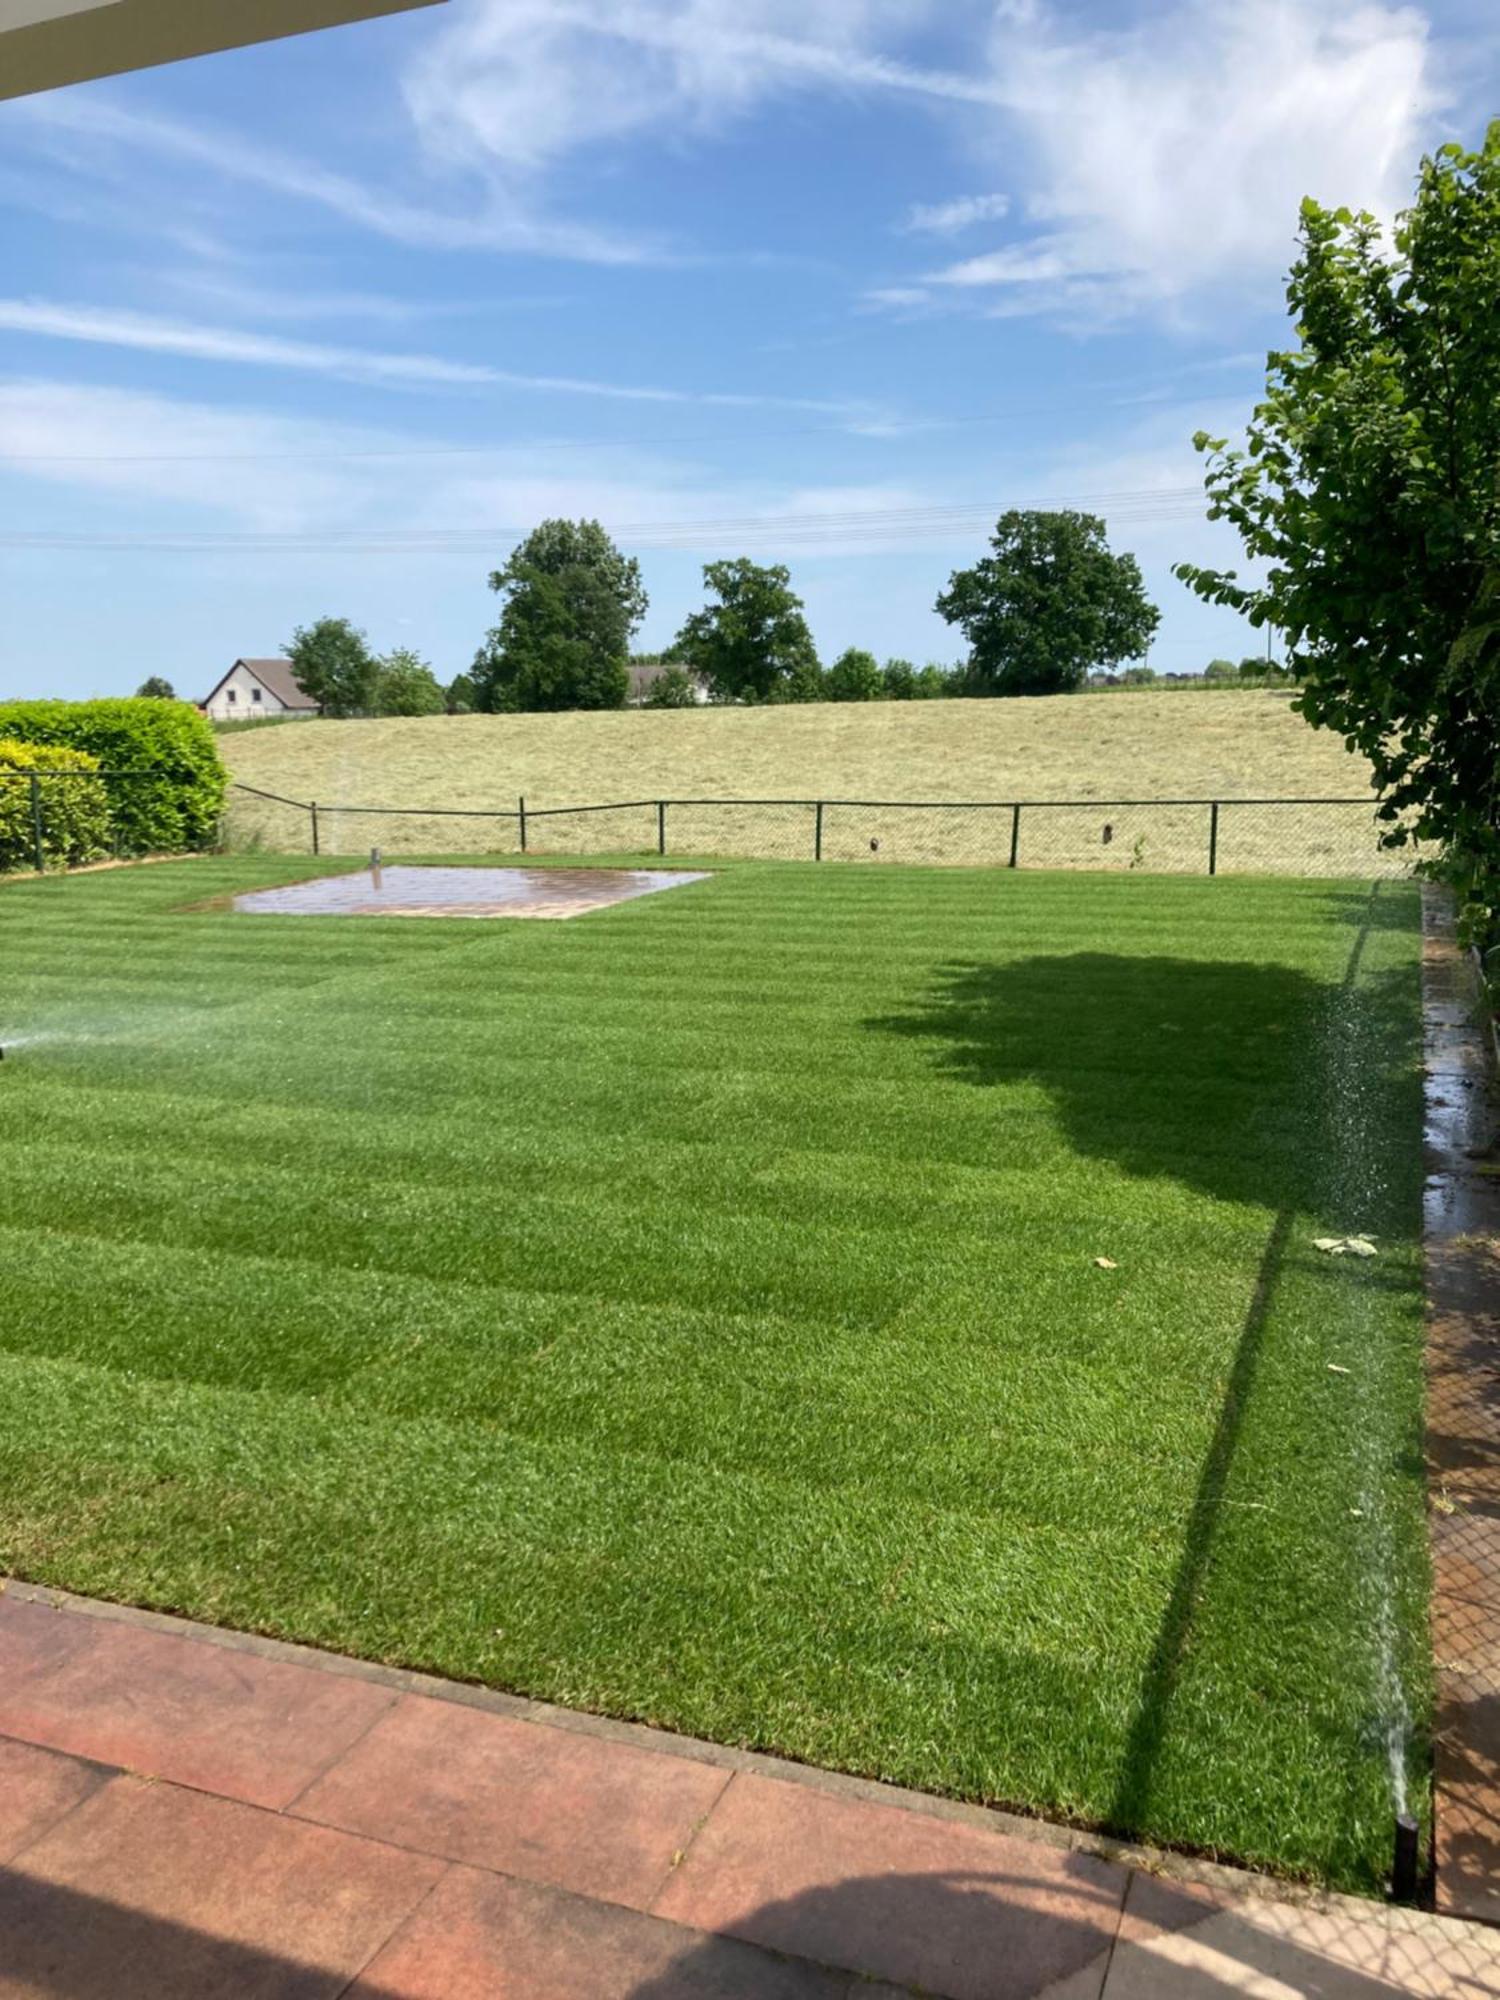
(1169, 745)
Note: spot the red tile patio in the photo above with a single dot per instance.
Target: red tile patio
(187, 1814)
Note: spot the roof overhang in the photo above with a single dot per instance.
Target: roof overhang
(45, 44)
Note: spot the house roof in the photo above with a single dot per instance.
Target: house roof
(46, 43)
(275, 676)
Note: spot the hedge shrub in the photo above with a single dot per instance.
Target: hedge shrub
(75, 809)
(174, 795)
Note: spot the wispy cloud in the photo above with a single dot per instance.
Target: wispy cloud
(950, 218)
(493, 222)
(216, 471)
(519, 83)
(147, 333)
(1167, 160)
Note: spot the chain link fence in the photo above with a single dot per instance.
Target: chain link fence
(1306, 837)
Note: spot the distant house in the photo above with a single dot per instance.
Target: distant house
(256, 688)
(644, 674)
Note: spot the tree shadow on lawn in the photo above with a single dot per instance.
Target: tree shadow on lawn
(1250, 1083)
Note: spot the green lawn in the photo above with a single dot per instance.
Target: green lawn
(691, 1311)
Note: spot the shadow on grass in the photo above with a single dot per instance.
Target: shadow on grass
(1248, 1082)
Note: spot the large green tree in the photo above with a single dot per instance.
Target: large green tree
(333, 662)
(1049, 602)
(1369, 492)
(154, 688)
(753, 643)
(572, 601)
(854, 676)
(406, 685)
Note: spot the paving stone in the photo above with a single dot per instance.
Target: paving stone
(36, 1788)
(1177, 1943)
(603, 1818)
(227, 1721)
(491, 1937)
(933, 1903)
(154, 1892)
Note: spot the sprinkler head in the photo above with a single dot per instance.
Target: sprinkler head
(1404, 1860)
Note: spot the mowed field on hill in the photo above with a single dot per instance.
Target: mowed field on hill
(1170, 745)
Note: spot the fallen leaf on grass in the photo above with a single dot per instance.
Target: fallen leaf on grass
(1334, 1369)
(1106, 1263)
(1345, 1246)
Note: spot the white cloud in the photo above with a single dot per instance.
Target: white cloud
(948, 218)
(1171, 157)
(147, 333)
(519, 83)
(498, 223)
(208, 472)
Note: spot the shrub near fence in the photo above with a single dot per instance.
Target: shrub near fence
(52, 802)
(162, 768)
(1306, 837)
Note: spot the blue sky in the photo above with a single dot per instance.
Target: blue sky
(316, 327)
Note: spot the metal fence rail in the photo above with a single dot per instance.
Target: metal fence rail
(38, 826)
(1301, 836)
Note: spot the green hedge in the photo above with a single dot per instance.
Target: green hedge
(172, 798)
(75, 808)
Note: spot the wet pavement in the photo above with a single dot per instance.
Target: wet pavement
(402, 891)
(194, 1814)
(1463, 1418)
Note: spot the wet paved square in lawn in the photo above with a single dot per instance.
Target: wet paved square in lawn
(464, 892)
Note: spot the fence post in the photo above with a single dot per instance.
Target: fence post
(1015, 835)
(313, 809)
(661, 826)
(521, 804)
(818, 831)
(38, 843)
(1213, 837)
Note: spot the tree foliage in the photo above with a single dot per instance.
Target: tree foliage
(333, 662)
(572, 601)
(154, 688)
(675, 688)
(1370, 492)
(459, 696)
(1049, 602)
(168, 791)
(854, 676)
(406, 685)
(753, 644)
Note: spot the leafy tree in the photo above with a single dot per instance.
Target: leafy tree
(673, 689)
(459, 696)
(753, 644)
(854, 676)
(935, 681)
(563, 640)
(406, 685)
(1220, 670)
(1370, 492)
(1050, 602)
(899, 680)
(333, 662)
(154, 688)
(1141, 676)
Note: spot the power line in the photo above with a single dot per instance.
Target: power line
(872, 527)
